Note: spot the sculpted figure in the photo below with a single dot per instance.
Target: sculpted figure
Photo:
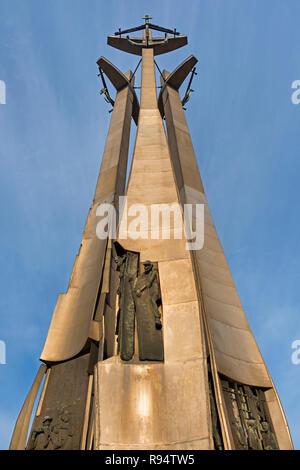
(40, 437)
(61, 434)
(138, 300)
(268, 437)
(253, 436)
(127, 265)
(53, 436)
(148, 280)
(120, 262)
(240, 433)
(146, 294)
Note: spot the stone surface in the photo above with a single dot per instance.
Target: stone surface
(151, 406)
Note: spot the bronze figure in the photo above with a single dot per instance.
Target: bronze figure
(55, 436)
(40, 438)
(127, 266)
(139, 298)
(146, 295)
(268, 437)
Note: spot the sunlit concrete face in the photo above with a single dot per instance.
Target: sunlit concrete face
(151, 406)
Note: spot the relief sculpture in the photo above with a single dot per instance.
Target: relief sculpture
(51, 435)
(268, 437)
(139, 301)
(214, 416)
(146, 299)
(251, 424)
(127, 265)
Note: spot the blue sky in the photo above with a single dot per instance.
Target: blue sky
(245, 131)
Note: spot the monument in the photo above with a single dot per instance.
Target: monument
(150, 347)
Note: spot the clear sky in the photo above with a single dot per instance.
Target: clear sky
(245, 131)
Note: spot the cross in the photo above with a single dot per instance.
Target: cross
(147, 18)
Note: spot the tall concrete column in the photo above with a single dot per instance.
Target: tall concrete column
(157, 405)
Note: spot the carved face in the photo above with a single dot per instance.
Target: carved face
(46, 424)
(251, 422)
(119, 260)
(265, 426)
(147, 266)
(47, 420)
(65, 418)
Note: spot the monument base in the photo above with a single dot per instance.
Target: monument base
(150, 406)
